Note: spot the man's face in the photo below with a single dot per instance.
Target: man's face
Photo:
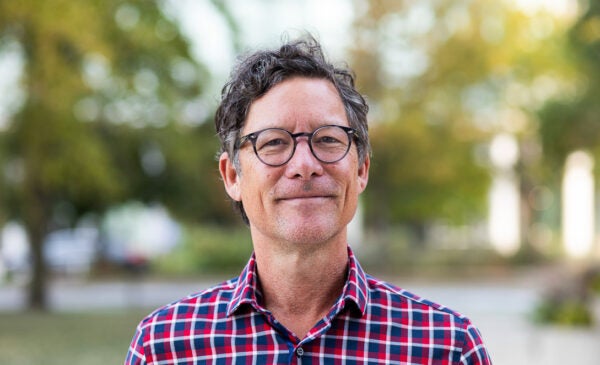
(304, 200)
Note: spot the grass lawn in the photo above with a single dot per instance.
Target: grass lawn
(66, 338)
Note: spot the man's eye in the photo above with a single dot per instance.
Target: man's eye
(274, 143)
(327, 140)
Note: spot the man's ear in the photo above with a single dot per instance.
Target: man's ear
(230, 176)
(363, 174)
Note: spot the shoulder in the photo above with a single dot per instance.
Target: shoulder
(428, 330)
(210, 303)
(410, 312)
(201, 309)
(422, 317)
(404, 302)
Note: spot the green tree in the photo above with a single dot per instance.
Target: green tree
(109, 85)
(443, 78)
(571, 121)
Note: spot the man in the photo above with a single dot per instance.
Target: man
(294, 158)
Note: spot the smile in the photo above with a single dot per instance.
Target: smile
(306, 198)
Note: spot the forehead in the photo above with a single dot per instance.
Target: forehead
(297, 103)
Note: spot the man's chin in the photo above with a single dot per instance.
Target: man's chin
(309, 229)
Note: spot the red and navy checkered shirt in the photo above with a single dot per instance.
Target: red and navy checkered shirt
(372, 322)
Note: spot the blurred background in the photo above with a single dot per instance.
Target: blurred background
(485, 126)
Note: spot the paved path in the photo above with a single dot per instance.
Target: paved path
(501, 310)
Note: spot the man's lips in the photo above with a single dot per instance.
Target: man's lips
(307, 191)
(305, 197)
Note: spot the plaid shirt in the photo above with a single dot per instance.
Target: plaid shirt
(373, 322)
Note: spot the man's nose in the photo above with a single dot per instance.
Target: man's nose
(303, 163)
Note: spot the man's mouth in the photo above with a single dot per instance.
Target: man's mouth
(306, 197)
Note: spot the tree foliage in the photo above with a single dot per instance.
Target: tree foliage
(572, 121)
(444, 78)
(114, 108)
(113, 112)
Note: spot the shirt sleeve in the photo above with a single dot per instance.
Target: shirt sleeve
(474, 351)
(136, 355)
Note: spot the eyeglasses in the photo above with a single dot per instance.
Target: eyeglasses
(276, 146)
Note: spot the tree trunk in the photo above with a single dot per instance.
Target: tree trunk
(37, 286)
(36, 219)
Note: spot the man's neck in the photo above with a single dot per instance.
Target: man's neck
(300, 286)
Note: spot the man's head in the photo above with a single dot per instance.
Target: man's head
(255, 75)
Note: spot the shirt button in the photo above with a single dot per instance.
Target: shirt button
(299, 351)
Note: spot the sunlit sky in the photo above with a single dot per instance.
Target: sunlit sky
(559, 8)
(262, 23)
(10, 71)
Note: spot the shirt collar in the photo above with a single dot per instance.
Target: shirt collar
(247, 290)
(356, 289)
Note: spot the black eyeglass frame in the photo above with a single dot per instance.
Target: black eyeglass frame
(253, 137)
